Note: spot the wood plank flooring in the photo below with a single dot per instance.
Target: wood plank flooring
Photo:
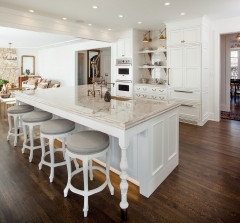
(205, 187)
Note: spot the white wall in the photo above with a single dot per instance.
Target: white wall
(59, 63)
(27, 52)
(224, 26)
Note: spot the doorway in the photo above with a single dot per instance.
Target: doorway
(230, 77)
(80, 72)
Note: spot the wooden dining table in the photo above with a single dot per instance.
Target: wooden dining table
(236, 83)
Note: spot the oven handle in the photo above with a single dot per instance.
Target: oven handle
(125, 65)
(124, 81)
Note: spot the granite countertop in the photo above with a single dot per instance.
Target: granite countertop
(120, 114)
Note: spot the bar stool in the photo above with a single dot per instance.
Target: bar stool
(52, 129)
(86, 145)
(17, 112)
(32, 119)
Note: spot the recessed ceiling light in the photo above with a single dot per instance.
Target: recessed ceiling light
(167, 3)
(31, 10)
(95, 7)
(109, 29)
(89, 24)
(183, 13)
(139, 22)
(64, 18)
(120, 16)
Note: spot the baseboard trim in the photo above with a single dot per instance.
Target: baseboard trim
(211, 116)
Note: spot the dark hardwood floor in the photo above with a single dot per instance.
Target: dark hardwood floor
(205, 187)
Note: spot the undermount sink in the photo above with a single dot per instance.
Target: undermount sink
(120, 98)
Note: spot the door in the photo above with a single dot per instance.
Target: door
(80, 69)
(107, 68)
(191, 67)
(175, 65)
(175, 37)
(120, 48)
(192, 35)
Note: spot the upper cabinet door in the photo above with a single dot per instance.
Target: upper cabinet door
(127, 47)
(175, 37)
(120, 48)
(192, 35)
(124, 48)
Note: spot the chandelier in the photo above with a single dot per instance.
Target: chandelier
(9, 57)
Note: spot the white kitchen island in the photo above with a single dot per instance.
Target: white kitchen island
(147, 131)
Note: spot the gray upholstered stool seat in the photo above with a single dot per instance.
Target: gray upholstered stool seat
(17, 112)
(87, 142)
(87, 145)
(57, 126)
(52, 129)
(17, 109)
(32, 119)
(37, 116)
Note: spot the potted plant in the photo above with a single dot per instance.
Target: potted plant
(3, 85)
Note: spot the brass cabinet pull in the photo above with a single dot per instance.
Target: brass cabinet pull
(153, 89)
(161, 90)
(183, 91)
(144, 89)
(182, 41)
(161, 98)
(138, 88)
(186, 105)
(144, 96)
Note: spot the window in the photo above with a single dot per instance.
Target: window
(234, 64)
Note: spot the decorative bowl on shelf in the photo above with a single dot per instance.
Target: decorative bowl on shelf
(5, 95)
(146, 48)
(144, 80)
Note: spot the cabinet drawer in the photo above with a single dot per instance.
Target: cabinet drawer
(157, 90)
(141, 95)
(190, 112)
(141, 88)
(157, 96)
(184, 95)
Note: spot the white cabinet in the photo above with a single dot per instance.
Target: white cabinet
(151, 92)
(124, 47)
(187, 35)
(187, 70)
(184, 66)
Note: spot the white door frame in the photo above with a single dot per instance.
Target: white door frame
(227, 27)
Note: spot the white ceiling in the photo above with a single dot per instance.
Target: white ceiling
(150, 12)
(30, 39)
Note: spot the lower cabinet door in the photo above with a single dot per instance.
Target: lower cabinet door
(140, 95)
(157, 97)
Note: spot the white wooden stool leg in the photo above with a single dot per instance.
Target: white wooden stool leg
(108, 156)
(15, 130)
(25, 137)
(51, 148)
(42, 139)
(10, 126)
(31, 132)
(76, 163)
(85, 177)
(69, 169)
(64, 146)
(90, 170)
